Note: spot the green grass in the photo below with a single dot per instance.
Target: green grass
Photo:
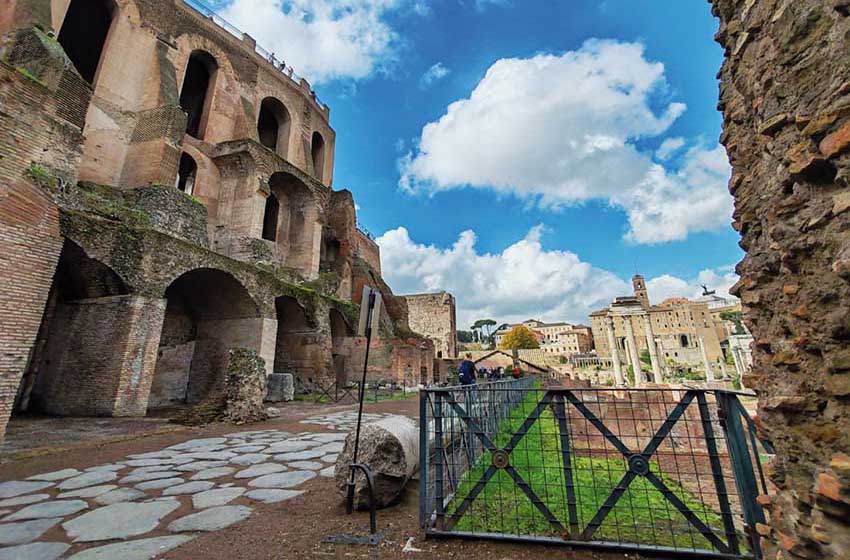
(642, 515)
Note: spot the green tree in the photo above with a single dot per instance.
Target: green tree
(645, 358)
(519, 338)
(485, 327)
(735, 317)
(465, 336)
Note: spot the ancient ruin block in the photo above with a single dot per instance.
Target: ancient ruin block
(281, 387)
(244, 387)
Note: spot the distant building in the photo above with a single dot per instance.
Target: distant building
(677, 331)
(558, 339)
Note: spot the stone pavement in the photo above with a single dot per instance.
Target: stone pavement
(216, 480)
(343, 421)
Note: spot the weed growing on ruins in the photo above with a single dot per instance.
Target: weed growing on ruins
(41, 176)
(642, 515)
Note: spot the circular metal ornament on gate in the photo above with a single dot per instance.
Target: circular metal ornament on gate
(639, 465)
(500, 458)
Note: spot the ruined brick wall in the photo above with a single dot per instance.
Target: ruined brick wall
(433, 315)
(29, 221)
(785, 96)
(100, 357)
(368, 250)
(403, 361)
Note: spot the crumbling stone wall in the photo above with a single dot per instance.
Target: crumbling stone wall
(434, 316)
(785, 97)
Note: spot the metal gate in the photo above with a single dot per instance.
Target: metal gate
(661, 470)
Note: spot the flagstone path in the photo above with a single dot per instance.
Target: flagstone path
(215, 479)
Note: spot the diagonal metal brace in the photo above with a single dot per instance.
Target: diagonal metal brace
(639, 466)
(491, 471)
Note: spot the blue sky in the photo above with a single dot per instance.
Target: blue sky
(517, 143)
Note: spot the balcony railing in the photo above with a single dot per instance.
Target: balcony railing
(278, 64)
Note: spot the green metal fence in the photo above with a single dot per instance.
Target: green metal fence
(655, 470)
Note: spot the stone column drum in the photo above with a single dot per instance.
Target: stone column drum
(653, 350)
(615, 354)
(633, 353)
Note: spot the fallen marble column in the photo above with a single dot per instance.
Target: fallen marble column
(390, 447)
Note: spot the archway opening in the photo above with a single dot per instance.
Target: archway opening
(207, 313)
(195, 97)
(80, 326)
(297, 348)
(186, 173)
(273, 126)
(270, 218)
(83, 34)
(317, 150)
(330, 252)
(298, 221)
(339, 354)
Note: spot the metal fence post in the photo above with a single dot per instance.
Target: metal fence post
(566, 459)
(717, 474)
(438, 459)
(742, 466)
(423, 458)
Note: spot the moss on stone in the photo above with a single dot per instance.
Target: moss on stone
(26, 73)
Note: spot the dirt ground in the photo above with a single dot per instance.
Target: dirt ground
(289, 530)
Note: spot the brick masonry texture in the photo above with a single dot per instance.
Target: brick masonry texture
(785, 97)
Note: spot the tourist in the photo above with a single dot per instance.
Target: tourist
(515, 372)
(466, 371)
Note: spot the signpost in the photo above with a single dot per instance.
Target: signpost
(370, 314)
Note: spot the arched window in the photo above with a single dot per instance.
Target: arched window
(273, 126)
(195, 96)
(318, 152)
(683, 339)
(83, 34)
(186, 173)
(270, 216)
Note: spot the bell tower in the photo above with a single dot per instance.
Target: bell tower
(640, 290)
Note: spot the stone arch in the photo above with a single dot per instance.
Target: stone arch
(196, 93)
(208, 312)
(187, 173)
(273, 126)
(298, 222)
(317, 153)
(69, 368)
(84, 33)
(271, 216)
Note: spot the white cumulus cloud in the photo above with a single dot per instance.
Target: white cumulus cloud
(669, 147)
(324, 39)
(433, 74)
(523, 280)
(562, 129)
(667, 286)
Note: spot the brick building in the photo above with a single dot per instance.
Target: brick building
(166, 195)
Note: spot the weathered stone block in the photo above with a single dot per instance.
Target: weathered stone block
(281, 387)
